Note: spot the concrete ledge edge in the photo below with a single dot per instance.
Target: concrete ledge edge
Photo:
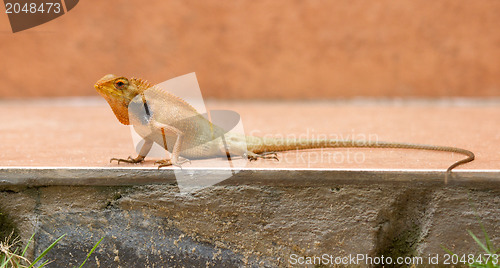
(106, 176)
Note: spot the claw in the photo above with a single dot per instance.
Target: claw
(264, 155)
(185, 160)
(168, 162)
(163, 163)
(131, 160)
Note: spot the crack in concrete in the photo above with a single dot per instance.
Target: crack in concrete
(403, 225)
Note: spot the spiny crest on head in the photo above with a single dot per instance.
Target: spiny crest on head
(141, 83)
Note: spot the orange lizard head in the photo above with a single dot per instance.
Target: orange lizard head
(119, 92)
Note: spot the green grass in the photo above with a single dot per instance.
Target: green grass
(487, 248)
(490, 256)
(11, 258)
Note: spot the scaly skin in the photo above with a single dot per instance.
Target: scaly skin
(176, 126)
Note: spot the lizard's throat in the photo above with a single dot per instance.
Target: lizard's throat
(120, 109)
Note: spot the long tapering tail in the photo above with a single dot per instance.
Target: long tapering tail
(261, 145)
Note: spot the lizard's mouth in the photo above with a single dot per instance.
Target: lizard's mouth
(99, 88)
(103, 91)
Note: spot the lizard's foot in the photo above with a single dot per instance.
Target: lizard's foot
(131, 160)
(169, 162)
(163, 163)
(265, 155)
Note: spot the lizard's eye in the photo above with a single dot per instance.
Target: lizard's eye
(119, 84)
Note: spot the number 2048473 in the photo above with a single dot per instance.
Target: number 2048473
(471, 259)
(32, 8)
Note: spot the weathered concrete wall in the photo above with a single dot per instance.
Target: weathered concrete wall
(253, 225)
(263, 49)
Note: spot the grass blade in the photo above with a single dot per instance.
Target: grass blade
(44, 263)
(46, 251)
(485, 248)
(447, 250)
(6, 262)
(489, 245)
(91, 251)
(27, 245)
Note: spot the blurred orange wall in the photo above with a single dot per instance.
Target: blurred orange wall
(263, 49)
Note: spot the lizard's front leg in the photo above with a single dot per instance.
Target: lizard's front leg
(170, 130)
(146, 147)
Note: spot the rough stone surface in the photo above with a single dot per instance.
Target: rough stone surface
(254, 224)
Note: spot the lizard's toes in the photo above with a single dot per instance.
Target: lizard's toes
(266, 155)
(169, 162)
(131, 160)
(180, 162)
(163, 163)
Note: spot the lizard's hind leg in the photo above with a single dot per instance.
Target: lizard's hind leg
(265, 155)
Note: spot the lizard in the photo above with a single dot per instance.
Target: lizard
(170, 120)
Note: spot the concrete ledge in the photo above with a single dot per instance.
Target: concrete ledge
(258, 218)
(59, 176)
